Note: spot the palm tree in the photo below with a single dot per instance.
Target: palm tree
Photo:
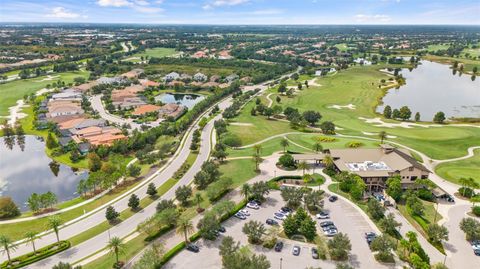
(54, 223)
(303, 165)
(317, 147)
(257, 148)
(246, 189)
(116, 246)
(257, 159)
(198, 198)
(284, 143)
(463, 181)
(184, 226)
(6, 244)
(382, 135)
(328, 160)
(31, 236)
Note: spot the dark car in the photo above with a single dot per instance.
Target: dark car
(476, 252)
(333, 198)
(370, 236)
(256, 202)
(222, 229)
(326, 223)
(271, 222)
(286, 209)
(279, 246)
(314, 253)
(193, 248)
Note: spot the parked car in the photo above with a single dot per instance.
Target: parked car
(278, 246)
(253, 205)
(370, 236)
(240, 216)
(323, 215)
(333, 198)
(271, 222)
(296, 250)
(476, 252)
(286, 213)
(476, 247)
(331, 232)
(326, 223)
(450, 199)
(222, 229)
(286, 209)
(314, 253)
(193, 248)
(279, 216)
(245, 212)
(329, 227)
(256, 202)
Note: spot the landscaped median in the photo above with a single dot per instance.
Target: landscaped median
(40, 254)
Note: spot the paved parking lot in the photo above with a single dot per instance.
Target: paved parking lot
(345, 217)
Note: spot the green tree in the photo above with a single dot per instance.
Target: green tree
(284, 143)
(254, 231)
(303, 166)
(286, 160)
(384, 246)
(317, 147)
(184, 227)
(133, 202)
(394, 188)
(151, 190)
(65, 265)
(8, 208)
(417, 116)
(308, 228)
(387, 112)
(257, 160)
(208, 225)
(405, 113)
(151, 258)
(257, 148)
(198, 199)
(94, 162)
(116, 247)
(389, 224)
(339, 247)
(471, 228)
(375, 209)
(246, 190)
(7, 246)
(51, 142)
(383, 136)
(183, 193)
(133, 170)
(54, 223)
(437, 233)
(292, 196)
(111, 214)
(328, 127)
(30, 239)
(439, 117)
(311, 117)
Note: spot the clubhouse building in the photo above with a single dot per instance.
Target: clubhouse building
(375, 166)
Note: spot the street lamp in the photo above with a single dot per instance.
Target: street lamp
(275, 173)
(281, 259)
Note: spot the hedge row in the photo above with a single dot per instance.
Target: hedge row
(272, 183)
(41, 254)
(175, 250)
(159, 233)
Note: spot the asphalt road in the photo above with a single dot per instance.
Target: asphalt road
(127, 226)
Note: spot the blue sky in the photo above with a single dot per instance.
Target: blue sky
(244, 11)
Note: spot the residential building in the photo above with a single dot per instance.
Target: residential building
(68, 95)
(111, 80)
(134, 73)
(144, 109)
(231, 78)
(171, 110)
(63, 108)
(98, 135)
(200, 77)
(171, 76)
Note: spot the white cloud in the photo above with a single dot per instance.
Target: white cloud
(62, 13)
(267, 12)
(220, 3)
(114, 3)
(145, 9)
(372, 18)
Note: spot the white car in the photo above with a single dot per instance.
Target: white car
(244, 212)
(323, 215)
(279, 216)
(476, 247)
(253, 206)
(330, 232)
(283, 212)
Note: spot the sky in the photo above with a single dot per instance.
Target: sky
(244, 11)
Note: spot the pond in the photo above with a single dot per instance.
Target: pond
(25, 168)
(432, 87)
(188, 100)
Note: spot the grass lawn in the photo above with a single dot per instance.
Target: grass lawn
(268, 148)
(191, 69)
(468, 63)
(155, 52)
(308, 140)
(438, 47)
(467, 168)
(239, 171)
(15, 90)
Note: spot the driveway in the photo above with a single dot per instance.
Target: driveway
(97, 105)
(347, 219)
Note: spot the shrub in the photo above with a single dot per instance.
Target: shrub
(270, 243)
(41, 254)
(425, 194)
(354, 144)
(231, 140)
(287, 161)
(466, 192)
(476, 210)
(8, 209)
(325, 139)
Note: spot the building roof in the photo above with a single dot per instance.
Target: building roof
(145, 109)
(70, 123)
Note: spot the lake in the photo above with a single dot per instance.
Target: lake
(30, 170)
(432, 87)
(188, 100)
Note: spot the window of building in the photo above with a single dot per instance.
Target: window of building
(413, 178)
(410, 168)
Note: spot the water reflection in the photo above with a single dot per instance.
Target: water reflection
(188, 100)
(25, 168)
(433, 87)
